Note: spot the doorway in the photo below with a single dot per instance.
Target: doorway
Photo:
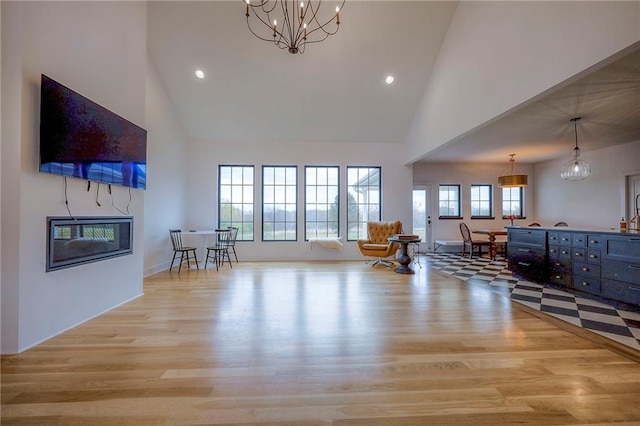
(422, 215)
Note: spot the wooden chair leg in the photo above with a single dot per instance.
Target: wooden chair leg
(173, 260)
(195, 259)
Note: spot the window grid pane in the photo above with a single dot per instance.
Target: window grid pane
(449, 200)
(363, 199)
(235, 205)
(322, 202)
(512, 202)
(481, 201)
(420, 213)
(279, 205)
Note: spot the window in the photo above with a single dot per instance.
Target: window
(481, 201)
(235, 204)
(363, 199)
(420, 213)
(279, 203)
(449, 201)
(322, 202)
(512, 202)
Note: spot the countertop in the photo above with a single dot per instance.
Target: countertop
(599, 230)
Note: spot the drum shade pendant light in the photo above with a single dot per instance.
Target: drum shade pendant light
(576, 168)
(512, 180)
(292, 24)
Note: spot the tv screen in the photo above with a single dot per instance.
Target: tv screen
(82, 139)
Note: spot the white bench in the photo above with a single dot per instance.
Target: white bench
(439, 243)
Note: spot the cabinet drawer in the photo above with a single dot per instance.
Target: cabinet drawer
(565, 238)
(561, 265)
(588, 284)
(586, 255)
(530, 237)
(621, 271)
(553, 237)
(561, 277)
(579, 254)
(586, 269)
(565, 253)
(593, 256)
(624, 292)
(579, 240)
(554, 252)
(595, 241)
(622, 247)
(527, 261)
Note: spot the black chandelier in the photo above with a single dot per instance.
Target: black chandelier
(292, 24)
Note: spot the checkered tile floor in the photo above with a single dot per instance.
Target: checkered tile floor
(616, 324)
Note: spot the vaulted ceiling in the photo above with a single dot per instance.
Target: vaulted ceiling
(335, 91)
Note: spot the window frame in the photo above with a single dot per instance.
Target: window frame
(288, 219)
(362, 219)
(509, 200)
(459, 201)
(328, 203)
(246, 228)
(481, 201)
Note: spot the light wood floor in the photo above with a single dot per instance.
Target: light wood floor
(318, 344)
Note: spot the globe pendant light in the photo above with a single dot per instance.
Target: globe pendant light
(576, 168)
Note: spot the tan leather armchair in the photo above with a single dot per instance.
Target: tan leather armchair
(377, 245)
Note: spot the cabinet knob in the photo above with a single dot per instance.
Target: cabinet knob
(593, 256)
(585, 284)
(578, 254)
(585, 269)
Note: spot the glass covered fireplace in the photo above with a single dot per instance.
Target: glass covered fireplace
(75, 241)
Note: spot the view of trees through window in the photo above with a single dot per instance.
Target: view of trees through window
(363, 199)
(420, 213)
(512, 202)
(481, 201)
(449, 200)
(279, 203)
(322, 202)
(235, 204)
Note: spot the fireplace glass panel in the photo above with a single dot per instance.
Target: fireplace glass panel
(75, 241)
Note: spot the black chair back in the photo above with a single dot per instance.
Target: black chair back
(176, 238)
(464, 230)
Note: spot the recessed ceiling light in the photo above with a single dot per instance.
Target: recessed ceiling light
(199, 73)
(389, 79)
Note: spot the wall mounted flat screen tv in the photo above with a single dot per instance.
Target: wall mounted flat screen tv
(82, 139)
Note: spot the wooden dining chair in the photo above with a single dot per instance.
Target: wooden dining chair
(467, 241)
(232, 241)
(220, 249)
(178, 247)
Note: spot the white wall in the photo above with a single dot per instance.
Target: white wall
(499, 55)
(99, 50)
(165, 201)
(596, 202)
(466, 174)
(204, 158)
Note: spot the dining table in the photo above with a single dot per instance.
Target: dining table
(491, 233)
(205, 234)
